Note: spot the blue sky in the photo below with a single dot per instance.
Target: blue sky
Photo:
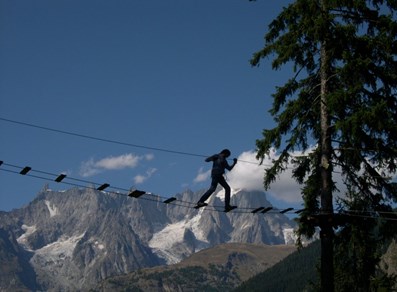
(173, 75)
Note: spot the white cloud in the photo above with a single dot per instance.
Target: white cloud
(118, 162)
(139, 179)
(202, 176)
(88, 168)
(285, 188)
(92, 167)
(149, 156)
(248, 174)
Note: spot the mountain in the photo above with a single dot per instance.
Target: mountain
(221, 268)
(299, 271)
(72, 240)
(296, 272)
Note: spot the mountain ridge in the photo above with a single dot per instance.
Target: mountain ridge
(219, 268)
(73, 239)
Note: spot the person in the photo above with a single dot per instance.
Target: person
(218, 169)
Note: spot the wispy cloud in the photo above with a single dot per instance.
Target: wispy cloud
(139, 179)
(250, 176)
(247, 174)
(202, 176)
(92, 167)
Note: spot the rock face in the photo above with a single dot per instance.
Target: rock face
(72, 240)
(220, 268)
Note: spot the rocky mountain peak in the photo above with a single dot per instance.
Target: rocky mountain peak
(71, 240)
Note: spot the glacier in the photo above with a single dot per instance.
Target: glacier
(164, 241)
(52, 209)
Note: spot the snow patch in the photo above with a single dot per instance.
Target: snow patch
(246, 225)
(221, 193)
(54, 254)
(99, 245)
(167, 237)
(29, 230)
(195, 227)
(163, 241)
(52, 209)
(289, 236)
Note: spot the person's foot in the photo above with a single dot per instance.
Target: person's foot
(229, 208)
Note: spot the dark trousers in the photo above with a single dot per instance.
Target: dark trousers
(219, 179)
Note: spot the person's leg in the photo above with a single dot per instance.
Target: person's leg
(212, 189)
(225, 185)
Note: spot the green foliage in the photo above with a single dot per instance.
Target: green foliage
(195, 278)
(359, 246)
(297, 272)
(344, 56)
(361, 42)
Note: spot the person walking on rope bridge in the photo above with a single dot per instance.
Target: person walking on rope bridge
(218, 169)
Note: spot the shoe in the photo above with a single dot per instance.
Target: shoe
(229, 208)
(201, 204)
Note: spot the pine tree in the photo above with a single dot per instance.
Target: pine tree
(342, 97)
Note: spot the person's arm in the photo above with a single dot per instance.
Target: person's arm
(230, 167)
(211, 158)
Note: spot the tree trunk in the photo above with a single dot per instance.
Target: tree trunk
(327, 232)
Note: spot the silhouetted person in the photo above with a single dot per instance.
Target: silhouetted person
(218, 169)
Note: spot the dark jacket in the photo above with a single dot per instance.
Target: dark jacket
(219, 164)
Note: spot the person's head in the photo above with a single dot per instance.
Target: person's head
(225, 152)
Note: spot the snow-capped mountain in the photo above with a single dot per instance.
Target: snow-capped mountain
(73, 239)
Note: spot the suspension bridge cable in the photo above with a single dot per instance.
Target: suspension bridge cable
(27, 171)
(48, 176)
(110, 140)
(127, 144)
